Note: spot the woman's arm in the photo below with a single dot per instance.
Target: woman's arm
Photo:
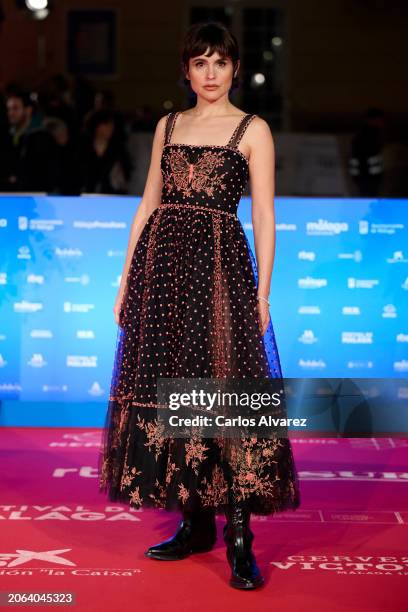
(149, 202)
(262, 176)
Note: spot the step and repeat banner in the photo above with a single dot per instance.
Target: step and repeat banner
(339, 294)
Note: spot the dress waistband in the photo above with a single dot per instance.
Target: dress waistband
(204, 208)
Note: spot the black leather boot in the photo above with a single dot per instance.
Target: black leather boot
(197, 532)
(238, 537)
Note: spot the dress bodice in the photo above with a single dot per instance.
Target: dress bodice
(204, 175)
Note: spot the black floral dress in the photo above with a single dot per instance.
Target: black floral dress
(190, 310)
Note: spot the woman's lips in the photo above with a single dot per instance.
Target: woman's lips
(210, 86)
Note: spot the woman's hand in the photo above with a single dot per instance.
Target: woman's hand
(118, 305)
(264, 316)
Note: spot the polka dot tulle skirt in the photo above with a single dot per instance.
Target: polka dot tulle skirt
(190, 310)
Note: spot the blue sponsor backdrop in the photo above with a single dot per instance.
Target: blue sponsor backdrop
(339, 293)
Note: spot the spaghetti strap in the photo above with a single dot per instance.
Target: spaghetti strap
(240, 130)
(170, 122)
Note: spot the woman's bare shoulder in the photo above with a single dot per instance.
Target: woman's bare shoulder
(259, 128)
(161, 124)
(160, 129)
(258, 138)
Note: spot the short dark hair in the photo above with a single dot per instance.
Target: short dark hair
(24, 96)
(215, 37)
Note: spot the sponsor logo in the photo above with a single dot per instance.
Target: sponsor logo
(43, 225)
(85, 334)
(25, 306)
(312, 283)
(323, 227)
(68, 252)
(10, 562)
(86, 439)
(37, 361)
(355, 337)
(307, 337)
(405, 284)
(35, 279)
(115, 253)
(67, 512)
(351, 310)
(355, 256)
(362, 283)
(54, 388)
(22, 223)
(3, 278)
(3, 222)
(307, 255)
(363, 227)
(402, 337)
(312, 364)
(3, 362)
(401, 366)
(389, 312)
(90, 225)
(386, 228)
(23, 253)
(345, 564)
(96, 390)
(363, 365)
(41, 333)
(9, 387)
(380, 228)
(82, 361)
(82, 280)
(397, 257)
(70, 307)
(309, 310)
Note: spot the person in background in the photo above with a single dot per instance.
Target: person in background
(56, 100)
(105, 160)
(28, 161)
(67, 178)
(104, 100)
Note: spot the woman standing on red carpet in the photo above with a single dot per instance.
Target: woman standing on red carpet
(193, 302)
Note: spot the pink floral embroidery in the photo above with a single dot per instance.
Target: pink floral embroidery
(135, 497)
(195, 452)
(215, 493)
(183, 493)
(199, 177)
(128, 476)
(154, 433)
(250, 461)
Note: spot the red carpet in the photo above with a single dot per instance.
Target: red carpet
(344, 549)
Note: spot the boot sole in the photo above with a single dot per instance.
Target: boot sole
(160, 557)
(247, 587)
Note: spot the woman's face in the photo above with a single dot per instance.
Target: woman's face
(210, 77)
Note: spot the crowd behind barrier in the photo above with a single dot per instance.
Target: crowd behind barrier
(67, 139)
